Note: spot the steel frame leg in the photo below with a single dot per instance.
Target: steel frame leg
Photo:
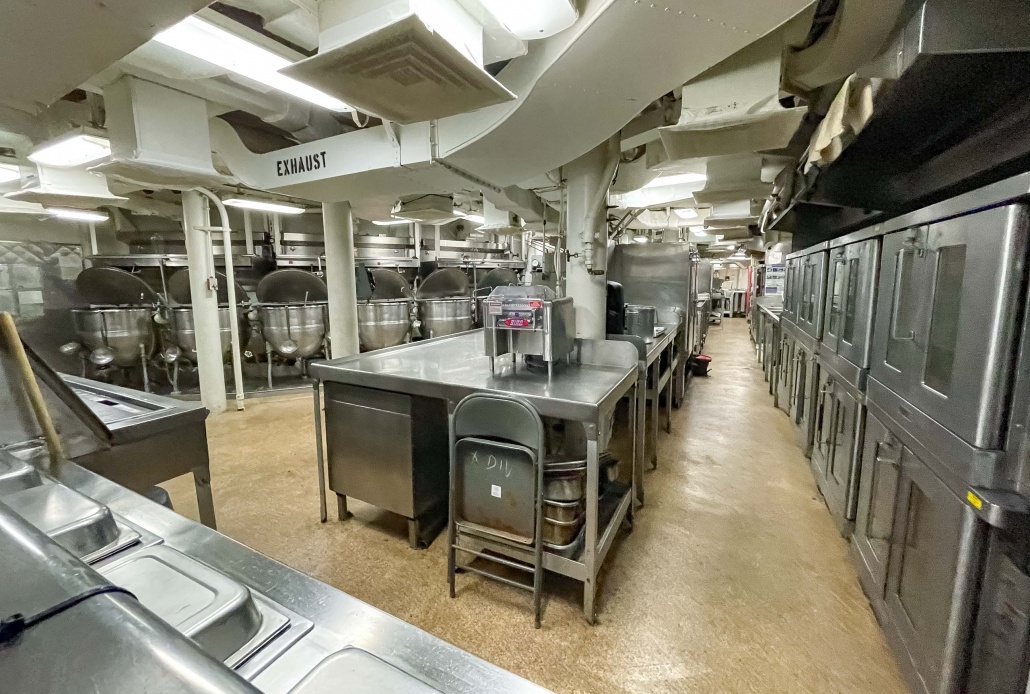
(590, 543)
(656, 412)
(319, 455)
(341, 507)
(640, 433)
(205, 501)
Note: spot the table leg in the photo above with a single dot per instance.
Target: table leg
(319, 456)
(341, 507)
(640, 433)
(656, 412)
(205, 502)
(590, 541)
(668, 396)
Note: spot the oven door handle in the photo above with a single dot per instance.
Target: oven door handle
(899, 272)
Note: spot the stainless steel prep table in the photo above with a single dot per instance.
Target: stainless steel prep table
(586, 390)
(339, 621)
(152, 439)
(649, 371)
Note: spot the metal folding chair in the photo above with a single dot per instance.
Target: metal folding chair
(496, 487)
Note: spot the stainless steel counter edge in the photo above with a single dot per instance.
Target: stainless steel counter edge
(346, 370)
(340, 619)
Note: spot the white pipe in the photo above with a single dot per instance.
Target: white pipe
(230, 281)
(248, 232)
(277, 233)
(338, 222)
(204, 300)
(596, 250)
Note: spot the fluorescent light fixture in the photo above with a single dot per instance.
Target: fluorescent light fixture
(476, 218)
(77, 215)
(686, 213)
(72, 150)
(391, 222)
(219, 47)
(264, 206)
(698, 229)
(533, 19)
(641, 239)
(9, 172)
(677, 179)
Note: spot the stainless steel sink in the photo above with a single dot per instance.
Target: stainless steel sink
(16, 475)
(80, 525)
(220, 614)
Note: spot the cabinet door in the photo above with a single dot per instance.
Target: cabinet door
(901, 305)
(856, 319)
(824, 426)
(877, 491)
(933, 569)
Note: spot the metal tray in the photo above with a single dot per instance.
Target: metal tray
(218, 613)
(561, 533)
(16, 475)
(565, 486)
(357, 671)
(563, 511)
(80, 525)
(571, 550)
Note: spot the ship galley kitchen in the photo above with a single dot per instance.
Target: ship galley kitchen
(474, 346)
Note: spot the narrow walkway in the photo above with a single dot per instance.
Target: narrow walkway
(733, 580)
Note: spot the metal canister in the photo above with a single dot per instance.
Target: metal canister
(383, 323)
(445, 316)
(641, 320)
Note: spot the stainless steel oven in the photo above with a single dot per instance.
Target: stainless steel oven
(837, 430)
(947, 315)
(784, 370)
(851, 282)
(809, 289)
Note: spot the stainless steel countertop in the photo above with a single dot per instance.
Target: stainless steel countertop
(340, 620)
(649, 351)
(455, 366)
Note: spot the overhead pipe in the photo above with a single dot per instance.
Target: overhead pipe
(230, 280)
(595, 251)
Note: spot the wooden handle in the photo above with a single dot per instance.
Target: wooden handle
(10, 335)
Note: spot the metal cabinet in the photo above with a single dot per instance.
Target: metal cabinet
(784, 372)
(805, 379)
(933, 570)
(877, 493)
(791, 290)
(851, 283)
(945, 331)
(837, 426)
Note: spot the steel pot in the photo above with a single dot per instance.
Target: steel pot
(384, 323)
(123, 331)
(184, 334)
(295, 331)
(641, 321)
(445, 316)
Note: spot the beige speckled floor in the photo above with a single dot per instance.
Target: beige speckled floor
(733, 580)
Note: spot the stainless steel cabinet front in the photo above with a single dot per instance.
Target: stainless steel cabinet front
(812, 275)
(947, 316)
(850, 300)
(934, 565)
(877, 493)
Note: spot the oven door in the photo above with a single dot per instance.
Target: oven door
(836, 293)
(813, 287)
(935, 562)
(855, 322)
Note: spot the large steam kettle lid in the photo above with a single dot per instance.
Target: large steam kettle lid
(179, 288)
(110, 285)
(291, 286)
(444, 283)
(389, 284)
(498, 277)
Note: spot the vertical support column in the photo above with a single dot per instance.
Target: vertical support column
(205, 302)
(248, 232)
(588, 179)
(338, 225)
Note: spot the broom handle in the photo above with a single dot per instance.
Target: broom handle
(28, 381)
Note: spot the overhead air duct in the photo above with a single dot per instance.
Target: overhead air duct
(403, 60)
(159, 137)
(65, 187)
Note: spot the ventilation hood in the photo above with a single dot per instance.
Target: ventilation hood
(159, 137)
(65, 188)
(402, 60)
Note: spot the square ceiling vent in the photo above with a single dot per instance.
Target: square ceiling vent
(403, 71)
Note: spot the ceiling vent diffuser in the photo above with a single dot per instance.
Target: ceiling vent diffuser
(426, 209)
(421, 65)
